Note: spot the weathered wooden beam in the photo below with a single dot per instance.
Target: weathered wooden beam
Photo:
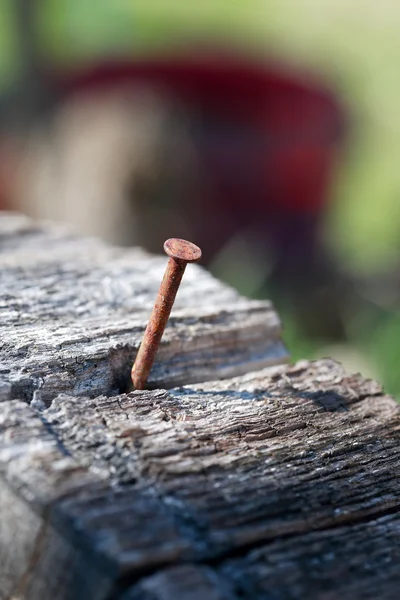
(260, 484)
(73, 312)
(278, 483)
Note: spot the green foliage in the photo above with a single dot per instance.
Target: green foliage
(384, 350)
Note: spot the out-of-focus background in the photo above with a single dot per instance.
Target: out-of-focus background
(267, 132)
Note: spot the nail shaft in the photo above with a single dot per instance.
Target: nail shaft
(180, 253)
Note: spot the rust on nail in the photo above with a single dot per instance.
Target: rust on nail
(180, 253)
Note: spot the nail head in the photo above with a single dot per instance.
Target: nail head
(182, 250)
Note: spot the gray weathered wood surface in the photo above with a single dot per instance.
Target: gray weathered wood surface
(277, 484)
(280, 483)
(73, 312)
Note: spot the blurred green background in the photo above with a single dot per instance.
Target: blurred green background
(354, 45)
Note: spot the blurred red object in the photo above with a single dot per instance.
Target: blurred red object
(282, 129)
(266, 140)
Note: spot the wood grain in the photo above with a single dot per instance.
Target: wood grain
(73, 312)
(280, 484)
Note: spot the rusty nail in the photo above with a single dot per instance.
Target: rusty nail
(180, 252)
